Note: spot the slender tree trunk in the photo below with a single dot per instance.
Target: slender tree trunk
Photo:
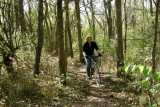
(89, 21)
(30, 18)
(125, 35)
(151, 9)
(40, 38)
(16, 13)
(51, 33)
(21, 16)
(109, 20)
(47, 26)
(56, 43)
(61, 53)
(68, 32)
(155, 38)
(108, 17)
(143, 28)
(79, 28)
(93, 19)
(119, 44)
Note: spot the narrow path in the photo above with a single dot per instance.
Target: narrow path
(112, 92)
(96, 96)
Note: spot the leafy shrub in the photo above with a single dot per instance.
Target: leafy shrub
(20, 90)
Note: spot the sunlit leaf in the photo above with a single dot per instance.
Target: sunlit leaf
(156, 75)
(147, 71)
(144, 81)
(134, 66)
(141, 68)
(126, 68)
(130, 68)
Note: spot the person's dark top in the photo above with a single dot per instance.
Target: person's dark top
(89, 50)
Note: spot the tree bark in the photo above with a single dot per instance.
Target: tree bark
(143, 27)
(125, 34)
(21, 17)
(68, 31)
(89, 21)
(93, 20)
(56, 35)
(79, 28)
(110, 20)
(61, 53)
(151, 8)
(155, 38)
(108, 15)
(40, 38)
(47, 26)
(30, 17)
(119, 43)
(16, 13)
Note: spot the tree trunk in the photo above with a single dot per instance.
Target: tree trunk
(119, 44)
(143, 27)
(109, 20)
(56, 43)
(108, 7)
(40, 38)
(151, 9)
(47, 26)
(61, 53)
(87, 13)
(16, 13)
(52, 34)
(68, 31)
(21, 16)
(79, 28)
(30, 17)
(93, 20)
(155, 38)
(125, 34)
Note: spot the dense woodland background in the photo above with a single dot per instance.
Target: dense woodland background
(41, 41)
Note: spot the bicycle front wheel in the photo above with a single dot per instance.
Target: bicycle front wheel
(97, 75)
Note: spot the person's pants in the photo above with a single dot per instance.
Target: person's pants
(88, 63)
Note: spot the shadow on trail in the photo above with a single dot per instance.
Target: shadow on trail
(112, 92)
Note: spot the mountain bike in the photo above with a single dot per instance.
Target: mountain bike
(94, 70)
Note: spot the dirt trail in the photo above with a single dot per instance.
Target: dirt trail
(112, 92)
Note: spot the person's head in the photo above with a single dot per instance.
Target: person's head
(88, 39)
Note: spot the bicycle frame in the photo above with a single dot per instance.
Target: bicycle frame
(94, 70)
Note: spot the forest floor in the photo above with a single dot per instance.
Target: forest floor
(112, 92)
(79, 92)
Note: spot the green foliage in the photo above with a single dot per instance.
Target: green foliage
(156, 75)
(147, 84)
(140, 69)
(147, 71)
(20, 89)
(136, 85)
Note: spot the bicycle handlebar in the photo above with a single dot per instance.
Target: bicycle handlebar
(95, 56)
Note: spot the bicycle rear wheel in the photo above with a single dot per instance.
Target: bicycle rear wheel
(97, 75)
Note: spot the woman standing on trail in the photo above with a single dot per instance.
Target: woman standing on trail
(88, 51)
